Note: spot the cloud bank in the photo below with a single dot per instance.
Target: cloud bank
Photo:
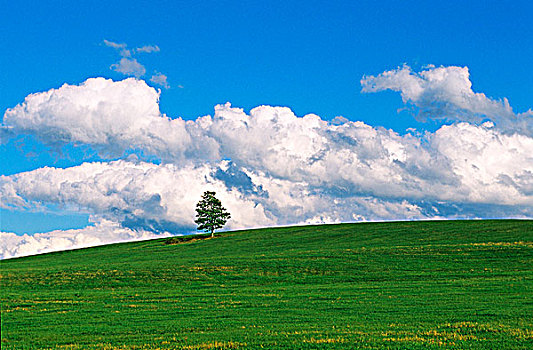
(104, 232)
(271, 167)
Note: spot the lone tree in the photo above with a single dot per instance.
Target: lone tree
(210, 214)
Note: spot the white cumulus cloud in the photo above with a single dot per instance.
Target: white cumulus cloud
(446, 93)
(110, 116)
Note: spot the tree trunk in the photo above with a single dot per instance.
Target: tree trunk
(212, 233)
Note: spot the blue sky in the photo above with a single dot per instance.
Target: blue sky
(309, 56)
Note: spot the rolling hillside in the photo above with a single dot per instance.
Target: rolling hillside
(448, 284)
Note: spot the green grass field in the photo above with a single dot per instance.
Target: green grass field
(403, 285)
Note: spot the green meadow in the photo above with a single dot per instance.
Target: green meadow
(397, 285)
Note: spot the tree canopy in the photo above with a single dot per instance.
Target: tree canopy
(210, 214)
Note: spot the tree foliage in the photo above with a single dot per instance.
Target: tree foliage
(210, 214)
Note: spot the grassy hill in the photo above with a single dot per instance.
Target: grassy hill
(451, 284)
